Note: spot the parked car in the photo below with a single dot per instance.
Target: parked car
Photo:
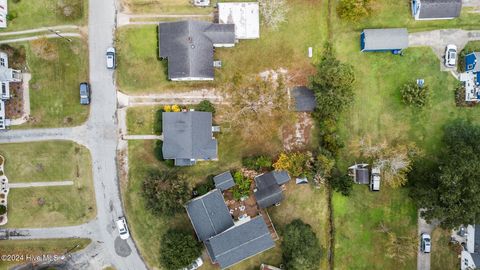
(122, 228)
(195, 265)
(451, 55)
(84, 93)
(425, 244)
(111, 58)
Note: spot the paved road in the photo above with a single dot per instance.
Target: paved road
(423, 259)
(99, 134)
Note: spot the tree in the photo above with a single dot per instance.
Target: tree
(242, 185)
(448, 187)
(341, 183)
(353, 10)
(205, 106)
(414, 95)
(296, 163)
(178, 249)
(300, 246)
(3, 209)
(165, 192)
(324, 165)
(274, 12)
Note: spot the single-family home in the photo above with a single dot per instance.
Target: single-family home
(244, 15)
(436, 9)
(303, 99)
(3, 13)
(227, 242)
(7, 76)
(188, 137)
(381, 40)
(268, 188)
(224, 181)
(471, 77)
(470, 255)
(188, 47)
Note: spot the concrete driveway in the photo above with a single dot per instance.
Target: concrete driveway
(423, 259)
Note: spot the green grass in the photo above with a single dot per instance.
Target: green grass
(140, 120)
(358, 243)
(164, 7)
(40, 13)
(54, 97)
(49, 161)
(443, 255)
(38, 248)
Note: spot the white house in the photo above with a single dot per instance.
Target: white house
(436, 9)
(7, 75)
(3, 13)
(244, 15)
(470, 256)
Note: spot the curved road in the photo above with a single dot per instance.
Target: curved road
(99, 134)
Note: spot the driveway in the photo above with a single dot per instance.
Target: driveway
(423, 259)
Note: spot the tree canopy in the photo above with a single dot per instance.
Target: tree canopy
(300, 246)
(178, 249)
(448, 187)
(165, 192)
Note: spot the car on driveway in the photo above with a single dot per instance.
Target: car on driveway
(122, 228)
(425, 243)
(111, 58)
(195, 265)
(84, 93)
(451, 56)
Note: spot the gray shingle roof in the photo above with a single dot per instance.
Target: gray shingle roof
(268, 191)
(209, 215)
(362, 176)
(431, 9)
(304, 99)
(224, 181)
(188, 135)
(240, 242)
(188, 46)
(386, 39)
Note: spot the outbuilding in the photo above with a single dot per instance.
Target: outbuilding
(245, 16)
(381, 40)
(436, 9)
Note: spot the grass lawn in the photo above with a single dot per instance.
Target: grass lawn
(40, 13)
(38, 248)
(57, 68)
(49, 161)
(140, 71)
(140, 120)
(165, 7)
(358, 243)
(443, 255)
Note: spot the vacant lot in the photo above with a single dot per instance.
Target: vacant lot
(39, 13)
(57, 68)
(39, 248)
(49, 206)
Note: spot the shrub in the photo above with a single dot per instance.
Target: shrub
(414, 95)
(178, 249)
(157, 125)
(12, 15)
(205, 106)
(257, 163)
(300, 246)
(242, 186)
(341, 183)
(204, 187)
(3, 209)
(157, 150)
(296, 163)
(460, 98)
(353, 10)
(16, 1)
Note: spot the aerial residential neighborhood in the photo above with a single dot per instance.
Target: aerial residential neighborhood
(240, 134)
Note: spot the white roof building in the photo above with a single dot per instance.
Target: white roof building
(3, 13)
(7, 75)
(244, 15)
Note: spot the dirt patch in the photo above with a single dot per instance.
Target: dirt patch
(298, 135)
(14, 106)
(45, 49)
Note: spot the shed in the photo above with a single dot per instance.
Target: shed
(244, 15)
(378, 40)
(362, 176)
(304, 99)
(224, 181)
(436, 9)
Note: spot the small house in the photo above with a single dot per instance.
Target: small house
(244, 15)
(268, 189)
(381, 40)
(436, 9)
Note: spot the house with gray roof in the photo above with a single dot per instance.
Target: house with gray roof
(188, 137)
(304, 99)
(470, 255)
(436, 9)
(188, 47)
(381, 40)
(224, 181)
(268, 189)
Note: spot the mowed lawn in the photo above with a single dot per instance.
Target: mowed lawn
(35, 248)
(165, 7)
(49, 206)
(141, 71)
(40, 13)
(359, 243)
(56, 75)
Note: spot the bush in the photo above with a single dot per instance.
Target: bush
(158, 123)
(178, 249)
(3, 209)
(12, 15)
(205, 106)
(242, 186)
(157, 150)
(257, 163)
(341, 183)
(16, 1)
(353, 10)
(300, 246)
(414, 95)
(460, 98)
(204, 187)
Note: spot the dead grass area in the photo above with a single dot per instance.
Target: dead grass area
(44, 49)
(14, 106)
(298, 135)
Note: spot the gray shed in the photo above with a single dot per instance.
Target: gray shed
(224, 181)
(304, 99)
(362, 176)
(389, 39)
(436, 9)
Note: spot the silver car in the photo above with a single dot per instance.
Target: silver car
(111, 58)
(122, 228)
(425, 243)
(451, 56)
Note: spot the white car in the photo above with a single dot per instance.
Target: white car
(122, 228)
(195, 265)
(451, 56)
(425, 243)
(111, 58)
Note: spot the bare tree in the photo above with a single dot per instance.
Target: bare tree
(274, 12)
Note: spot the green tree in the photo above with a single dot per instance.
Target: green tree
(448, 187)
(414, 95)
(300, 246)
(205, 106)
(353, 10)
(3, 209)
(341, 183)
(178, 249)
(242, 185)
(296, 163)
(165, 192)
